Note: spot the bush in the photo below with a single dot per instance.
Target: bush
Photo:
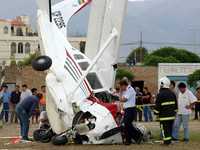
(27, 61)
(171, 55)
(138, 54)
(124, 73)
(152, 60)
(194, 78)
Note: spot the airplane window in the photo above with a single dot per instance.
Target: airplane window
(78, 56)
(94, 81)
(83, 65)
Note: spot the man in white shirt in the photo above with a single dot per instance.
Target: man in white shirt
(129, 99)
(25, 92)
(186, 101)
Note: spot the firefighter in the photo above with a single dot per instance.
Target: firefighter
(166, 107)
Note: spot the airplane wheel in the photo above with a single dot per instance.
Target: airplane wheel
(80, 139)
(37, 134)
(59, 140)
(42, 63)
(42, 135)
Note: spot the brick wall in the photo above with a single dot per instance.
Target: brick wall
(25, 75)
(147, 74)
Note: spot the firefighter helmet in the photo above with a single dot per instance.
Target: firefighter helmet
(164, 82)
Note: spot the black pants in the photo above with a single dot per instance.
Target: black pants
(197, 110)
(166, 129)
(130, 131)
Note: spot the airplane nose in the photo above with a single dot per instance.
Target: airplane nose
(42, 63)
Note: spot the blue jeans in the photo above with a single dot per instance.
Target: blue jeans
(5, 112)
(181, 119)
(147, 114)
(24, 121)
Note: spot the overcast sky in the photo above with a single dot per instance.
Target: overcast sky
(159, 20)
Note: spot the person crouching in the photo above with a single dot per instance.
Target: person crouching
(24, 112)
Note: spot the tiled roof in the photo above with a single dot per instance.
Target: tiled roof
(15, 22)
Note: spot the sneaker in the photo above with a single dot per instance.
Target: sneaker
(174, 140)
(186, 140)
(139, 139)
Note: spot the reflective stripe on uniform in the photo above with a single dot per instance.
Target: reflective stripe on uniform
(166, 118)
(139, 108)
(167, 138)
(156, 111)
(167, 103)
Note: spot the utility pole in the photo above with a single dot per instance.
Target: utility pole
(141, 40)
(140, 47)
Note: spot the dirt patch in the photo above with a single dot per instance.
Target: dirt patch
(11, 130)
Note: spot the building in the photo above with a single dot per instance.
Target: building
(17, 40)
(177, 71)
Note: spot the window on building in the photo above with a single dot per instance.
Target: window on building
(19, 32)
(5, 30)
(38, 47)
(12, 30)
(94, 81)
(27, 48)
(82, 46)
(20, 48)
(13, 48)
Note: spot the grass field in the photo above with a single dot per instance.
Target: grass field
(13, 130)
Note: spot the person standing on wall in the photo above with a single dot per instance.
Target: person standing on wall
(129, 99)
(14, 100)
(186, 101)
(166, 106)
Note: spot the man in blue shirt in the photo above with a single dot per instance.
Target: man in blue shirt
(6, 100)
(24, 111)
(129, 99)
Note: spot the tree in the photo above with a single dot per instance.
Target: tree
(27, 61)
(124, 73)
(194, 78)
(137, 55)
(165, 54)
(153, 60)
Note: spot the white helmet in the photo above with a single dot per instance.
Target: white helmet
(164, 82)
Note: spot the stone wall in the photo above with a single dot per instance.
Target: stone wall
(25, 75)
(147, 74)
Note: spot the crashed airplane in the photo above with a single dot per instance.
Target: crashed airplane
(78, 86)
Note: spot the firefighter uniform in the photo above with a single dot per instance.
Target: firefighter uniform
(166, 107)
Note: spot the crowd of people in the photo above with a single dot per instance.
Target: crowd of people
(10, 100)
(172, 106)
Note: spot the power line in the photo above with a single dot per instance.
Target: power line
(159, 43)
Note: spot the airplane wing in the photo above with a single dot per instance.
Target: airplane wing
(105, 15)
(56, 46)
(63, 11)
